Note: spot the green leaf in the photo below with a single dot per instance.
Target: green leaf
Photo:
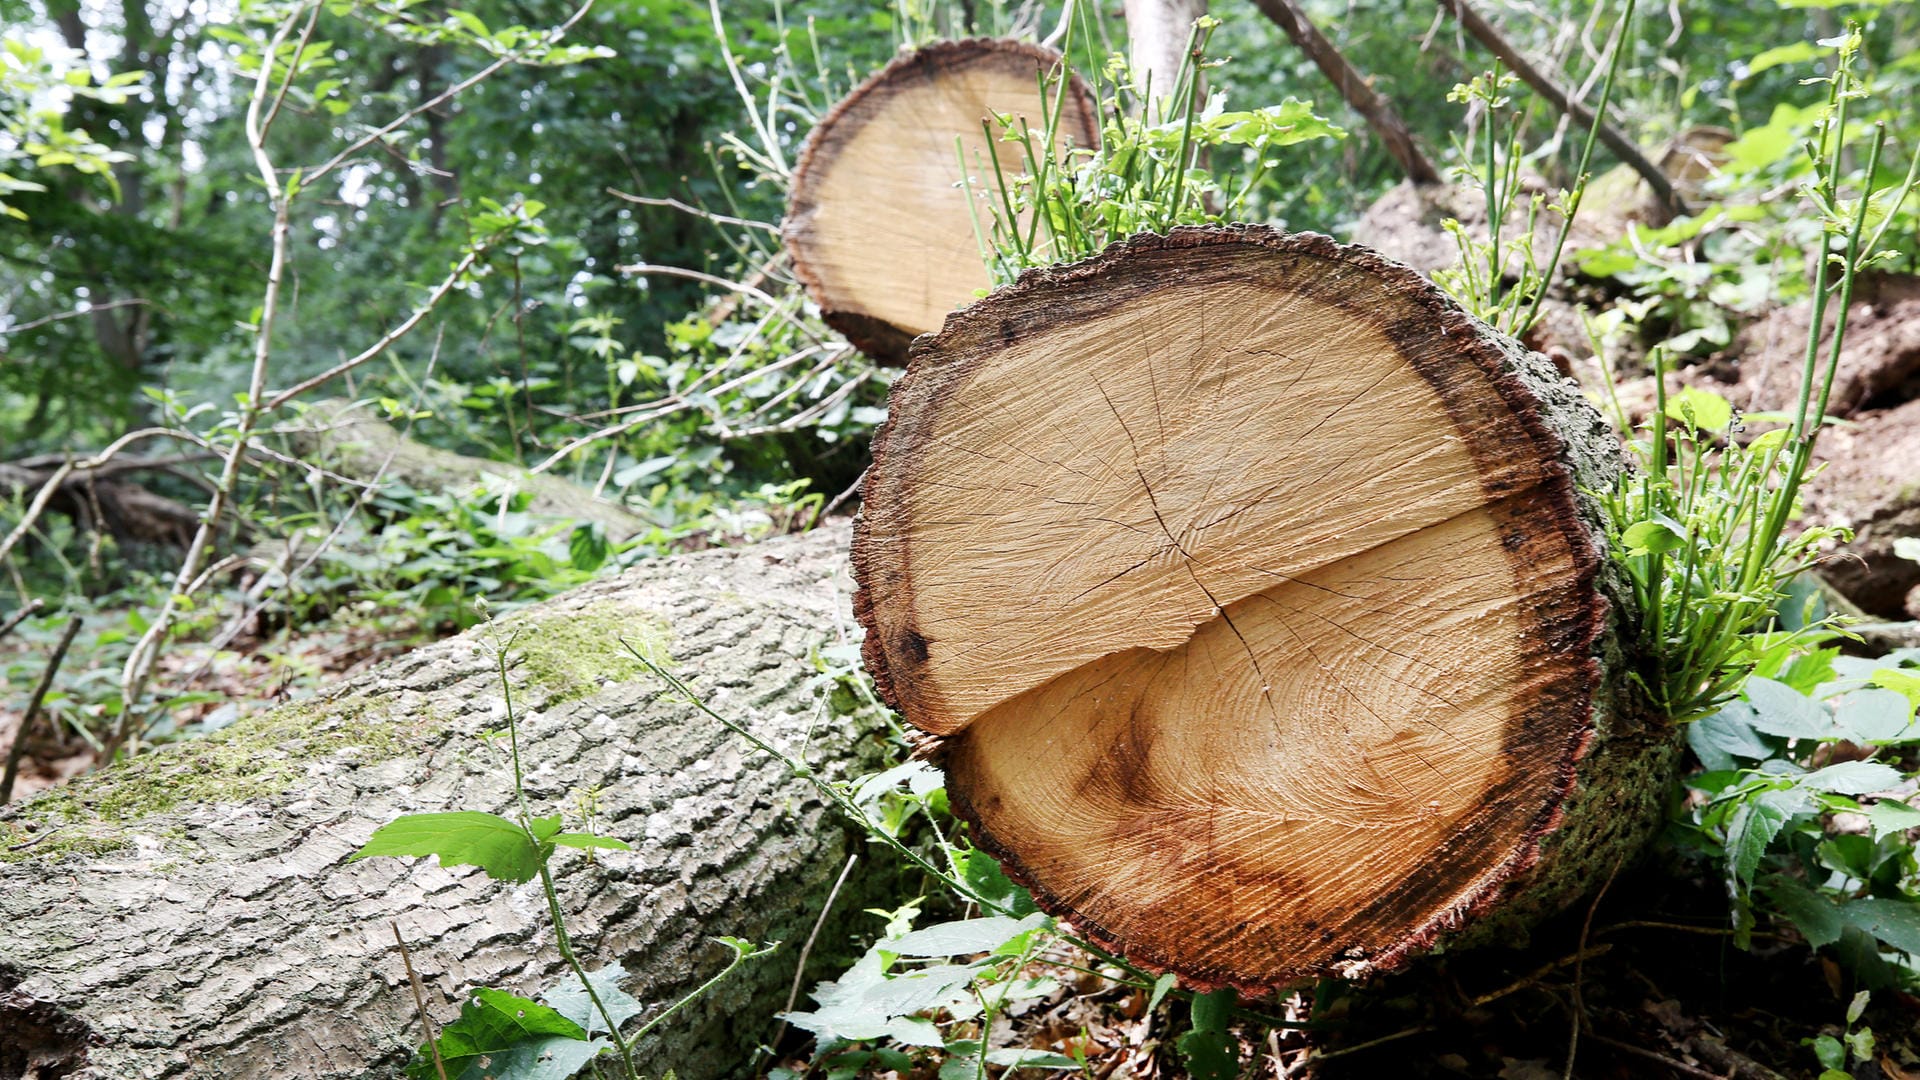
(1798, 52)
(587, 547)
(1891, 816)
(569, 999)
(497, 846)
(1781, 710)
(1874, 715)
(1894, 922)
(1751, 830)
(1210, 1055)
(1719, 739)
(1652, 538)
(983, 875)
(1160, 987)
(494, 1023)
(1699, 409)
(965, 937)
(1812, 913)
(1852, 778)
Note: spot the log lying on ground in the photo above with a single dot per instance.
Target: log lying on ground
(878, 223)
(193, 913)
(1252, 590)
(350, 438)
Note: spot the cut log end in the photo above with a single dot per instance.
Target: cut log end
(1249, 585)
(878, 225)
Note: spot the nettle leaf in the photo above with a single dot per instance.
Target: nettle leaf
(965, 937)
(1876, 715)
(1852, 778)
(1754, 825)
(1210, 1055)
(496, 1029)
(569, 999)
(496, 845)
(1781, 710)
(1811, 912)
(1905, 683)
(1894, 922)
(1891, 816)
(983, 874)
(1726, 735)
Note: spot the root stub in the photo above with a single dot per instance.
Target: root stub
(1252, 590)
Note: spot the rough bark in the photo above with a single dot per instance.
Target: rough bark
(348, 438)
(1256, 595)
(878, 223)
(193, 914)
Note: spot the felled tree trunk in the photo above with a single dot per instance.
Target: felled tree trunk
(193, 914)
(884, 222)
(1255, 595)
(350, 438)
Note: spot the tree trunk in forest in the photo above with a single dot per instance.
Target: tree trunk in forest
(1157, 35)
(879, 224)
(1256, 596)
(192, 914)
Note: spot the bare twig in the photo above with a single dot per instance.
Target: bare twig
(33, 709)
(1616, 141)
(420, 1001)
(1355, 87)
(439, 293)
(800, 970)
(26, 611)
(1680, 1067)
(685, 208)
(1579, 968)
(43, 321)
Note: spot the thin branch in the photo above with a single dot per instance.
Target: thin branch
(1355, 87)
(686, 208)
(33, 709)
(1616, 141)
(439, 293)
(91, 308)
(26, 611)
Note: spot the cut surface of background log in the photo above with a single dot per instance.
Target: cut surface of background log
(1252, 590)
(193, 913)
(878, 224)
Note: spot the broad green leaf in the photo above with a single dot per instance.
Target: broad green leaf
(1895, 922)
(1651, 538)
(1891, 816)
(569, 999)
(1798, 52)
(1210, 1055)
(1781, 710)
(1719, 739)
(463, 838)
(1905, 683)
(1874, 715)
(1852, 778)
(1812, 913)
(982, 874)
(1702, 410)
(493, 1023)
(964, 937)
(1754, 825)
